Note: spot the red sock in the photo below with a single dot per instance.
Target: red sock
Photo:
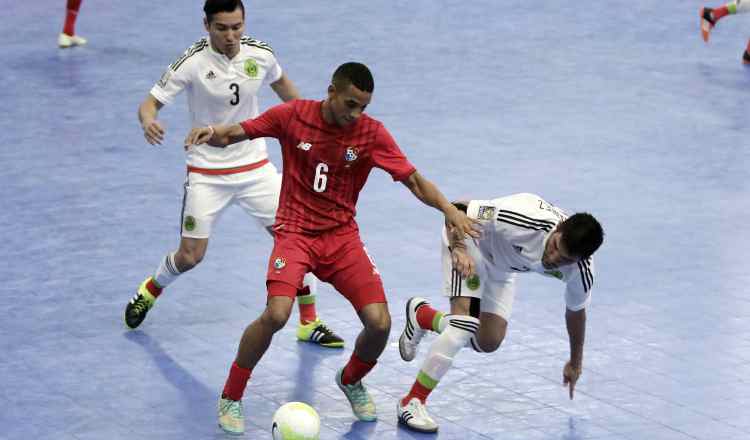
(417, 390)
(306, 302)
(236, 382)
(425, 315)
(70, 16)
(719, 12)
(355, 370)
(152, 288)
(747, 49)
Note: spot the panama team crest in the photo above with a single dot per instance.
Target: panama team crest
(279, 263)
(251, 68)
(351, 154)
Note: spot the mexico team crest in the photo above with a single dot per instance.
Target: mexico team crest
(279, 263)
(251, 68)
(351, 154)
(189, 223)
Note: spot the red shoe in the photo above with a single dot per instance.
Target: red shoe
(745, 58)
(707, 23)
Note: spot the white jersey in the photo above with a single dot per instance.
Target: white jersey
(221, 91)
(515, 230)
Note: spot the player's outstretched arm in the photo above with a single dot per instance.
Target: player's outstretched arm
(216, 136)
(147, 113)
(576, 324)
(430, 195)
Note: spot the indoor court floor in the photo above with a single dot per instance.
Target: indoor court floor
(615, 108)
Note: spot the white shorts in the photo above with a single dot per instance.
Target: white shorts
(207, 196)
(495, 290)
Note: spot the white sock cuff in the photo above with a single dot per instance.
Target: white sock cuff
(167, 271)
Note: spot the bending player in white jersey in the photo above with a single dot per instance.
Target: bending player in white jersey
(222, 75)
(520, 233)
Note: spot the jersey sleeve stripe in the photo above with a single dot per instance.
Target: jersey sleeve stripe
(587, 279)
(520, 223)
(522, 217)
(192, 50)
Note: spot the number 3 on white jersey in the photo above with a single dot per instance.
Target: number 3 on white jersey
(320, 181)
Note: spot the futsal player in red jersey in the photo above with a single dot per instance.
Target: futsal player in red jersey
(328, 150)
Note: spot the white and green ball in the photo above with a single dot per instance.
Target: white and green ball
(295, 421)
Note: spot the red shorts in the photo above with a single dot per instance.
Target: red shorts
(337, 257)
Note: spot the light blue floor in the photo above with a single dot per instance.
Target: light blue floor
(617, 108)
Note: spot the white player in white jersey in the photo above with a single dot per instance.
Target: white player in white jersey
(222, 75)
(520, 233)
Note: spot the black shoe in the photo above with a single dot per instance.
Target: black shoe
(139, 305)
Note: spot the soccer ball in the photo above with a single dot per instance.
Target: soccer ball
(295, 421)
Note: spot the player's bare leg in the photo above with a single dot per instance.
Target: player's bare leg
(254, 342)
(369, 346)
(188, 255)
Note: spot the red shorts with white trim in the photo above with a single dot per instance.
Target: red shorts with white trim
(337, 257)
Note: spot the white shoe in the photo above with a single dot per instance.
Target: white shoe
(408, 343)
(362, 404)
(65, 40)
(231, 418)
(414, 416)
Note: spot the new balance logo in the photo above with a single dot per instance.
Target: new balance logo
(210, 75)
(304, 146)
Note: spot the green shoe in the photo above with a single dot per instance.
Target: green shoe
(318, 333)
(362, 404)
(139, 305)
(231, 419)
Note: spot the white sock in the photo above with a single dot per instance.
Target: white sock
(742, 6)
(167, 271)
(310, 281)
(453, 338)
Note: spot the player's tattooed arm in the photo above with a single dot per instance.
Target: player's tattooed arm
(216, 136)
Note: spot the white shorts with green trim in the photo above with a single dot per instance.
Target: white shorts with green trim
(495, 290)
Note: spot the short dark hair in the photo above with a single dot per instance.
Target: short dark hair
(212, 7)
(581, 234)
(353, 73)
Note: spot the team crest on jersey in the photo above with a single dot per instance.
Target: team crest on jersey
(486, 213)
(210, 75)
(279, 263)
(251, 68)
(554, 273)
(304, 146)
(351, 154)
(189, 223)
(473, 282)
(165, 78)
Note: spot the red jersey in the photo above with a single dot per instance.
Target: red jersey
(325, 166)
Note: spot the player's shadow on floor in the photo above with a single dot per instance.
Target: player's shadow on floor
(199, 399)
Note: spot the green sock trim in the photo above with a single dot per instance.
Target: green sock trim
(306, 299)
(732, 8)
(426, 381)
(436, 321)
